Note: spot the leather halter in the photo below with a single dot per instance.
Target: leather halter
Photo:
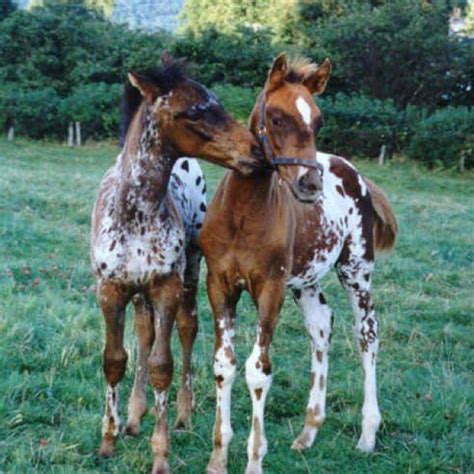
(273, 160)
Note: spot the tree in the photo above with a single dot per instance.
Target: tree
(6, 8)
(400, 50)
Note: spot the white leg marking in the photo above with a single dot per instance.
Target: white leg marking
(259, 384)
(365, 328)
(111, 420)
(317, 317)
(225, 371)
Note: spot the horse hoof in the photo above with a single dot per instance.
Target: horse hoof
(304, 441)
(216, 469)
(132, 429)
(298, 445)
(185, 406)
(365, 445)
(182, 423)
(217, 465)
(107, 448)
(160, 466)
(254, 469)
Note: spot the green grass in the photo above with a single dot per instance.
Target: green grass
(51, 332)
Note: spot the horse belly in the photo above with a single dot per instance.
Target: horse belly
(317, 267)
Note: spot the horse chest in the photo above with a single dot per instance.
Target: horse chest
(136, 253)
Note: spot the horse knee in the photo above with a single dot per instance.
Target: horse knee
(160, 371)
(258, 370)
(225, 366)
(115, 363)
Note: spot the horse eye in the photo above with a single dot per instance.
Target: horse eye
(193, 114)
(278, 122)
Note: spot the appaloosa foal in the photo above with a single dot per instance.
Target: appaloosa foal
(145, 225)
(288, 229)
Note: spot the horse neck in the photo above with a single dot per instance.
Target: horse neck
(260, 194)
(145, 167)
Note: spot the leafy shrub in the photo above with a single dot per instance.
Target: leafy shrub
(34, 113)
(397, 49)
(444, 137)
(238, 101)
(96, 106)
(359, 125)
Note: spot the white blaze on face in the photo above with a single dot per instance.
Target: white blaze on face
(304, 109)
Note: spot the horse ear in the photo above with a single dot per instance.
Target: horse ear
(278, 71)
(316, 82)
(148, 89)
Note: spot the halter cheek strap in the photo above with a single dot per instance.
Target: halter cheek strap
(262, 134)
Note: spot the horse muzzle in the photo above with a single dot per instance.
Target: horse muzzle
(308, 186)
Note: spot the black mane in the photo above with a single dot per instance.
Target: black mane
(165, 77)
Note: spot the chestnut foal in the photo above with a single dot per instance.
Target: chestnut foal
(287, 229)
(145, 225)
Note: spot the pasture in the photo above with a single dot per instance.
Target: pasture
(51, 382)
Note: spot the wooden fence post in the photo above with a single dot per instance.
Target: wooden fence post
(383, 149)
(78, 134)
(70, 134)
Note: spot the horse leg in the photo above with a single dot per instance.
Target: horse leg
(113, 301)
(187, 323)
(258, 370)
(137, 404)
(223, 308)
(164, 294)
(356, 278)
(317, 318)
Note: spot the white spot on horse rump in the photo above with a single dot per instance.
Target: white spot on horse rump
(304, 109)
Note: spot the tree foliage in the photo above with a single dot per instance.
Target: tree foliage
(73, 57)
(6, 7)
(401, 51)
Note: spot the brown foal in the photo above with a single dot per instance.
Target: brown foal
(287, 229)
(145, 224)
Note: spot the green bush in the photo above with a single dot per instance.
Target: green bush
(397, 49)
(34, 113)
(359, 125)
(238, 101)
(96, 106)
(444, 137)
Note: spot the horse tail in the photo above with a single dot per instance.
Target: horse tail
(385, 225)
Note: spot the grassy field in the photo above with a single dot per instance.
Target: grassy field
(51, 384)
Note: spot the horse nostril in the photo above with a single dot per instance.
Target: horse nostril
(308, 185)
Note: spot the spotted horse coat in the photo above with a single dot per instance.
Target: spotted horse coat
(157, 241)
(258, 237)
(287, 229)
(145, 225)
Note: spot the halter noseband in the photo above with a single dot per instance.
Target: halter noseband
(267, 148)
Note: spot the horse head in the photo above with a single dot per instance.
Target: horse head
(287, 121)
(192, 121)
